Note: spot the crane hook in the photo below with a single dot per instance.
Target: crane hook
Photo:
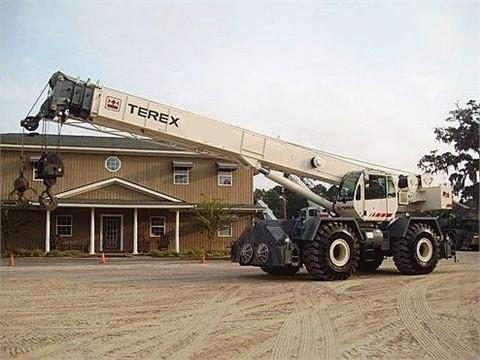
(20, 187)
(47, 200)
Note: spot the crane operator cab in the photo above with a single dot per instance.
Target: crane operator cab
(368, 195)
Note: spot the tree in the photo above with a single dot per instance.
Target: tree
(295, 202)
(274, 199)
(211, 216)
(462, 163)
(330, 194)
(10, 224)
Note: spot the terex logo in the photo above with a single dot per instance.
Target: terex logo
(152, 114)
(112, 103)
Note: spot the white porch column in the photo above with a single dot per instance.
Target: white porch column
(92, 231)
(47, 232)
(135, 231)
(177, 231)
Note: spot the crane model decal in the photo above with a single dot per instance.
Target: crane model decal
(154, 115)
(115, 104)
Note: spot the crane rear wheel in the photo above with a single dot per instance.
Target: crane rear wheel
(417, 252)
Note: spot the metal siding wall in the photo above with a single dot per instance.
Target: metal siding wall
(31, 235)
(112, 192)
(151, 171)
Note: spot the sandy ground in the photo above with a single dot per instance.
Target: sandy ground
(159, 309)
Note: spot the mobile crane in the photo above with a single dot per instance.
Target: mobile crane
(376, 214)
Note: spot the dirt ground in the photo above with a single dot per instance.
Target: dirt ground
(163, 309)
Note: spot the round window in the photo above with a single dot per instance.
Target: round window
(113, 163)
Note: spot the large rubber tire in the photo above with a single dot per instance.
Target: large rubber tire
(369, 266)
(417, 253)
(281, 271)
(333, 254)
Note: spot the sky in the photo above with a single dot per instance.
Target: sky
(366, 79)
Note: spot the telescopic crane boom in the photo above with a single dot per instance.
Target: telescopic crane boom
(74, 100)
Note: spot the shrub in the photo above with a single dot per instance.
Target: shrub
(72, 253)
(166, 253)
(38, 253)
(189, 253)
(155, 253)
(218, 253)
(55, 253)
(21, 252)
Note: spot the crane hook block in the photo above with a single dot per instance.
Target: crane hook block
(30, 123)
(49, 168)
(47, 200)
(20, 185)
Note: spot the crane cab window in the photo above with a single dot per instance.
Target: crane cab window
(391, 191)
(347, 187)
(376, 187)
(358, 194)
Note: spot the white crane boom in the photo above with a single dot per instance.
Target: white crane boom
(74, 100)
(121, 111)
(166, 123)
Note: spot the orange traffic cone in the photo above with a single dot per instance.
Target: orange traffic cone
(12, 260)
(103, 260)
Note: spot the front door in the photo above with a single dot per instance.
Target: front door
(112, 233)
(376, 198)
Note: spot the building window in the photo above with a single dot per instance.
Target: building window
(225, 231)
(181, 171)
(157, 226)
(64, 225)
(34, 162)
(35, 173)
(181, 176)
(113, 164)
(225, 173)
(225, 178)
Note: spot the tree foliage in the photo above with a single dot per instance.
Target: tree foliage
(330, 194)
(11, 222)
(273, 198)
(461, 164)
(211, 216)
(295, 202)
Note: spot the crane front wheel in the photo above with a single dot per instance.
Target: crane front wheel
(333, 254)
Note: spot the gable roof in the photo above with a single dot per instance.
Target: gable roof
(117, 181)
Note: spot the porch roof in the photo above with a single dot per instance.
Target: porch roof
(153, 194)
